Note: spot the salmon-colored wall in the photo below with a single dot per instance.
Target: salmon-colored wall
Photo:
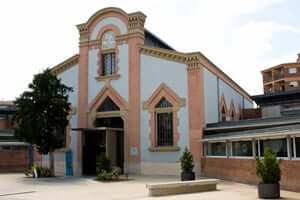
(13, 161)
(196, 112)
(134, 96)
(243, 170)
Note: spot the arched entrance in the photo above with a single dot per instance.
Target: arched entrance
(106, 132)
(106, 138)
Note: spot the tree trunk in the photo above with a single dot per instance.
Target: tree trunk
(51, 163)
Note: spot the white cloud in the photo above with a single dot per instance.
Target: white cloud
(40, 34)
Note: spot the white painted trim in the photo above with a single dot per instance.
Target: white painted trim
(242, 157)
(216, 156)
(14, 143)
(253, 125)
(267, 135)
(294, 147)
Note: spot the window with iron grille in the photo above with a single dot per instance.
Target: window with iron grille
(164, 124)
(108, 105)
(108, 64)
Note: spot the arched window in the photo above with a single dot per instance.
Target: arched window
(164, 123)
(223, 114)
(108, 105)
(108, 44)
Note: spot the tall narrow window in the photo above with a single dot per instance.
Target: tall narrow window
(108, 45)
(164, 123)
(108, 64)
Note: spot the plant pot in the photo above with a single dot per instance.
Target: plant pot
(269, 191)
(187, 176)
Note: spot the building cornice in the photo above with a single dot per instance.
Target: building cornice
(193, 61)
(65, 65)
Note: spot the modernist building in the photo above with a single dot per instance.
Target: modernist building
(16, 156)
(139, 100)
(230, 148)
(281, 78)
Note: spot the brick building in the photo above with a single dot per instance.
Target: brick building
(281, 78)
(15, 156)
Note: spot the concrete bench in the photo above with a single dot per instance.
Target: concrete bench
(182, 187)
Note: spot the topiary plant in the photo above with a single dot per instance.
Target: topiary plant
(268, 169)
(187, 163)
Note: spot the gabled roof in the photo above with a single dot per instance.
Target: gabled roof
(65, 65)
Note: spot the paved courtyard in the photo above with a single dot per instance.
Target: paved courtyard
(16, 187)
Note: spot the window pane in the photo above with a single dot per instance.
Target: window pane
(216, 149)
(165, 129)
(108, 64)
(297, 141)
(242, 148)
(163, 103)
(292, 70)
(108, 105)
(278, 146)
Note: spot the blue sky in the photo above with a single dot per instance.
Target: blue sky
(242, 37)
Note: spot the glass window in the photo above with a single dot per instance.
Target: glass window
(216, 149)
(164, 129)
(297, 142)
(242, 148)
(108, 64)
(292, 70)
(293, 84)
(278, 146)
(108, 105)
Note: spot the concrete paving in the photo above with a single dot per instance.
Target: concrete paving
(16, 187)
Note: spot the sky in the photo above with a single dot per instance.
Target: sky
(242, 37)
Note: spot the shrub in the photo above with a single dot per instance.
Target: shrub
(110, 175)
(42, 172)
(187, 163)
(268, 169)
(102, 163)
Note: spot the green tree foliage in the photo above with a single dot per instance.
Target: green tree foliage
(187, 163)
(42, 111)
(268, 169)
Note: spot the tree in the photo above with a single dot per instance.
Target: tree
(41, 116)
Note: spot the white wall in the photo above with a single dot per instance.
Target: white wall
(120, 85)
(211, 101)
(70, 78)
(155, 71)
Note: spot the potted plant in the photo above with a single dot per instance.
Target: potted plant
(187, 166)
(269, 171)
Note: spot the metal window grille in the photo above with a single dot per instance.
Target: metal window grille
(108, 105)
(164, 129)
(108, 64)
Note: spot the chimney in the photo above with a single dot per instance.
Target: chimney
(298, 59)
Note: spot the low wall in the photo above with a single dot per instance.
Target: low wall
(13, 161)
(243, 170)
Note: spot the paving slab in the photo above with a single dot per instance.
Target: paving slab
(17, 187)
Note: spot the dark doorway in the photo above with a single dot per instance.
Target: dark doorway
(95, 141)
(94, 145)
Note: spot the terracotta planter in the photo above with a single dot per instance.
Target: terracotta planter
(187, 176)
(269, 191)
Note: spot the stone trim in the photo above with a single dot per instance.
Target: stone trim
(223, 105)
(163, 91)
(65, 65)
(108, 78)
(194, 60)
(232, 110)
(164, 149)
